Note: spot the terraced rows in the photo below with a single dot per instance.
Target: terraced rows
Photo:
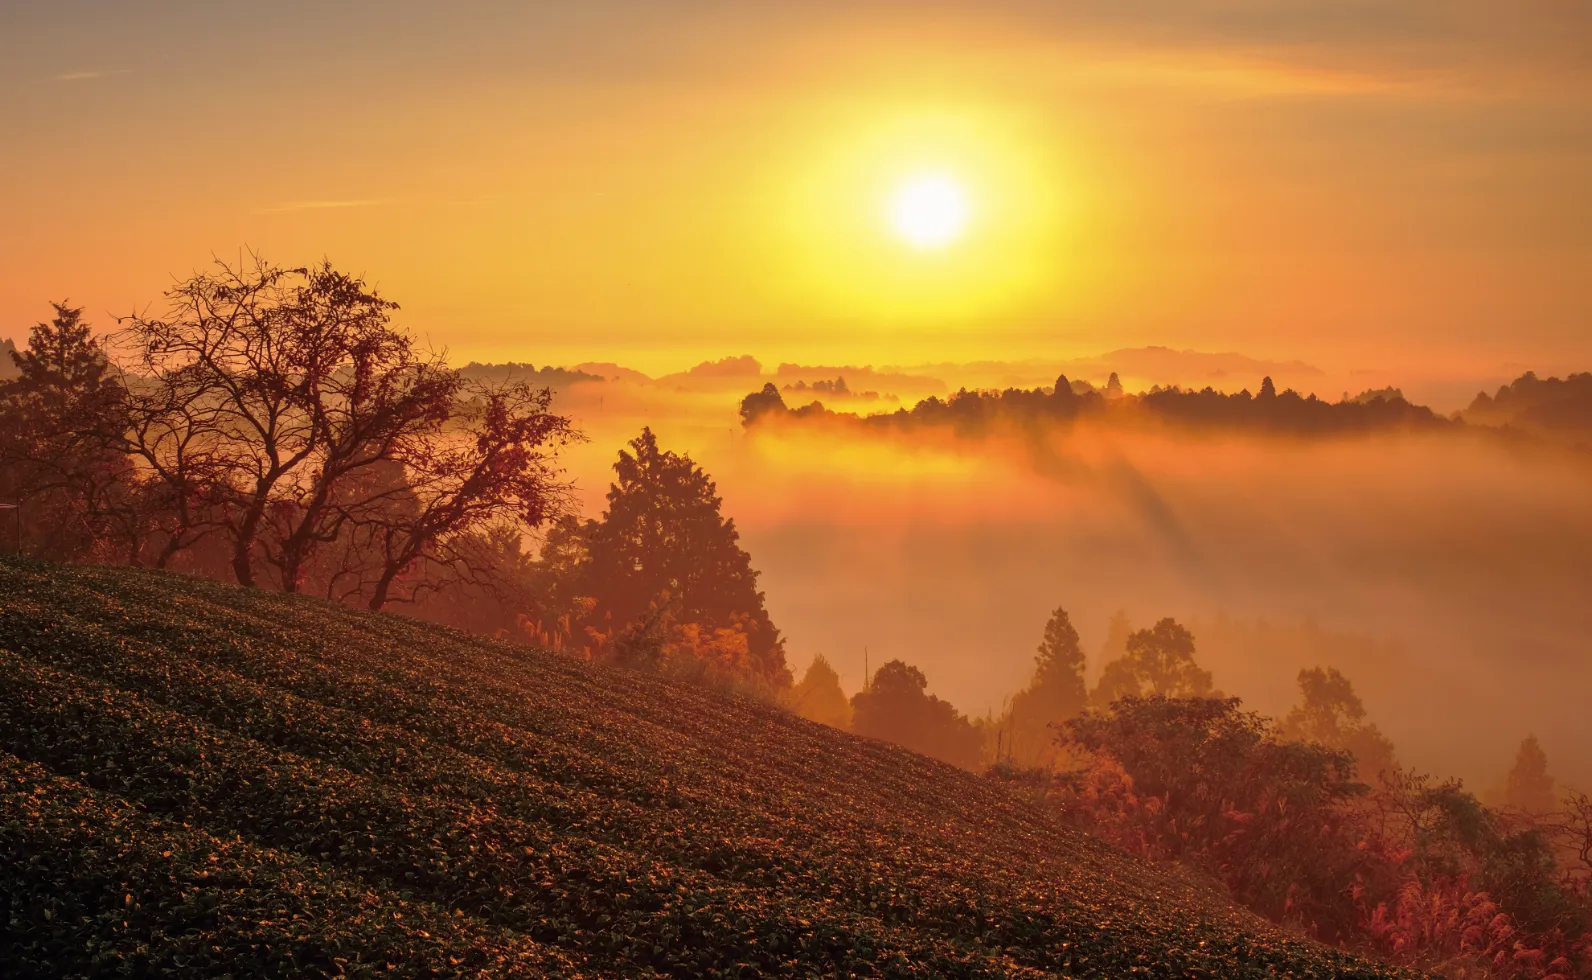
(344, 793)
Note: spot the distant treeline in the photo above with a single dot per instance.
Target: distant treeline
(545, 376)
(1552, 407)
(1540, 407)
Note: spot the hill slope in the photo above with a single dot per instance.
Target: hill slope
(200, 779)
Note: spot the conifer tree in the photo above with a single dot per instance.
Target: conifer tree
(663, 542)
(1529, 786)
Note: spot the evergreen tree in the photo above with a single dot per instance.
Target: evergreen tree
(62, 425)
(1063, 399)
(663, 543)
(1529, 787)
(1057, 689)
(818, 696)
(1055, 693)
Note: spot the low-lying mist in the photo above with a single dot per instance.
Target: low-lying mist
(1448, 575)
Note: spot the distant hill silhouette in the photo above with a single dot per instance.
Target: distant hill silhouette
(864, 377)
(548, 376)
(1555, 408)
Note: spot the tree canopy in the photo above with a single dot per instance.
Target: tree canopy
(1330, 713)
(1159, 660)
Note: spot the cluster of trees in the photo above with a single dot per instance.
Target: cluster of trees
(894, 704)
(545, 376)
(1551, 407)
(1415, 870)
(835, 389)
(276, 428)
(1268, 410)
(1309, 820)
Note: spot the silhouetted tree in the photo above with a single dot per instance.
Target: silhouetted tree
(663, 535)
(498, 469)
(1055, 692)
(818, 697)
(1529, 786)
(1159, 660)
(295, 386)
(1331, 714)
(62, 421)
(895, 707)
(760, 403)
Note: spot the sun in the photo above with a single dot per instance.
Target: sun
(929, 211)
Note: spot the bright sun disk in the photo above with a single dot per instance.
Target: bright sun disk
(929, 212)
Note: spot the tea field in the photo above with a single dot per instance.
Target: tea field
(199, 780)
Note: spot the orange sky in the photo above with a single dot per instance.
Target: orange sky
(1390, 184)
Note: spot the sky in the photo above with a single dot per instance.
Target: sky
(1347, 193)
(1392, 185)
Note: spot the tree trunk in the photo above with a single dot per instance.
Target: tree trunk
(379, 595)
(242, 552)
(292, 572)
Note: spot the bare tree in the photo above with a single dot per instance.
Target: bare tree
(266, 391)
(498, 468)
(282, 408)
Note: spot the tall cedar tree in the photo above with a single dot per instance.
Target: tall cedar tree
(1057, 690)
(1055, 693)
(818, 696)
(61, 425)
(1529, 786)
(663, 535)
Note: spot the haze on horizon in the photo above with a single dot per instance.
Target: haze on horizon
(1346, 197)
(1399, 186)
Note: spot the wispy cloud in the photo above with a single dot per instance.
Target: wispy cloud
(83, 76)
(323, 205)
(1240, 76)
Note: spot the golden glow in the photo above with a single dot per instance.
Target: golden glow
(982, 181)
(929, 211)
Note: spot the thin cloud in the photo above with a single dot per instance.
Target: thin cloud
(83, 76)
(1261, 78)
(323, 205)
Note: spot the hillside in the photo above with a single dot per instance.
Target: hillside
(198, 779)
